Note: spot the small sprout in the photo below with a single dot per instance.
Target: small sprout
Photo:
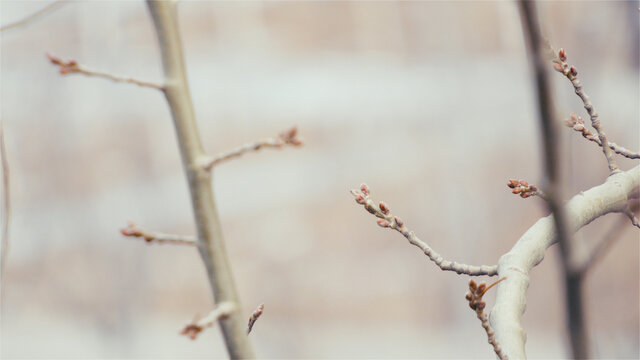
(512, 183)
(360, 199)
(517, 190)
(399, 221)
(383, 223)
(524, 183)
(573, 71)
(365, 189)
(558, 68)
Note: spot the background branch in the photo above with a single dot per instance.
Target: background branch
(33, 16)
(551, 143)
(210, 241)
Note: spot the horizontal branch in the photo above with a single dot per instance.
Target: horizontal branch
(221, 311)
(388, 220)
(529, 250)
(288, 137)
(72, 67)
(577, 124)
(132, 230)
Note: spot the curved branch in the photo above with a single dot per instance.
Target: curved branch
(388, 220)
(506, 315)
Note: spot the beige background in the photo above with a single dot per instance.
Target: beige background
(430, 103)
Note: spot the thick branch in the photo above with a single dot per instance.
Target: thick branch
(210, 241)
(388, 220)
(506, 315)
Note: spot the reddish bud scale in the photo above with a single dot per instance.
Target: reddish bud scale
(399, 221)
(365, 189)
(383, 223)
(558, 68)
(524, 183)
(573, 71)
(562, 55)
(384, 208)
(517, 190)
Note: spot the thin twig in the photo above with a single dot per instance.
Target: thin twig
(33, 16)
(388, 220)
(132, 230)
(210, 239)
(577, 124)
(632, 216)
(72, 67)
(287, 137)
(254, 317)
(474, 296)
(570, 72)
(551, 143)
(221, 311)
(6, 207)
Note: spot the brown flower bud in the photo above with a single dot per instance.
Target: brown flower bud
(399, 221)
(524, 183)
(562, 55)
(360, 199)
(517, 190)
(365, 189)
(383, 223)
(384, 208)
(573, 71)
(512, 183)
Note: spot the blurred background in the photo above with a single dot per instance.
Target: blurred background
(429, 103)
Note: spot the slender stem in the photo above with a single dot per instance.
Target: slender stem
(33, 16)
(210, 241)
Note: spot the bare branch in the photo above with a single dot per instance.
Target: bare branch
(529, 250)
(6, 212)
(388, 220)
(551, 142)
(632, 216)
(33, 16)
(522, 188)
(221, 311)
(570, 72)
(254, 317)
(72, 67)
(132, 230)
(474, 296)
(210, 239)
(287, 137)
(576, 123)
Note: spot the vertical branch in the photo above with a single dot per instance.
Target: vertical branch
(551, 143)
(210, 241)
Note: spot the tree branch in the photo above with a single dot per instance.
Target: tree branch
(221, 311)
(254, 317)
(287, 137)
(132, 230)
(577, 124)
(33, 16)
(474, 296)
(210, 240)
(388, 220)
(571, 73)
(72, 67)
(529, 250)
(551, 143)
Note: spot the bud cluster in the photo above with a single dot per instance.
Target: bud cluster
(522, 188)
(560, 65)
(576, 123)
(67, 67)
(382, 211)
(475, 294)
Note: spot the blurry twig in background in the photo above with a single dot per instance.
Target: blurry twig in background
(474, 296)
(388, 220)
(254, 317)
(221, 311)
(576, 123)
(287, 137)
(33, 16)
(574, 305)
(133, 230)
(72, 67)
(6, 207)
(210, 239)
